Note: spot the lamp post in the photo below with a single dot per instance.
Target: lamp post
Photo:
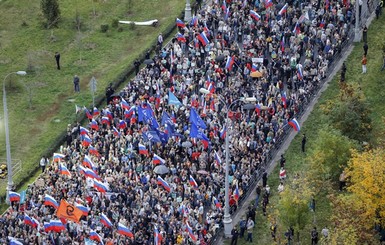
(227, 221)
(357, 36)
(187, 12)
(7, 144)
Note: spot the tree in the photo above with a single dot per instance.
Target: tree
(51, 12)
(366, 178)
(293, 207)
(351, 114)
(329, 156)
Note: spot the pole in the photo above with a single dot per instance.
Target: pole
(187, 12)
(227, 221)
(7, 144)
(357, 36)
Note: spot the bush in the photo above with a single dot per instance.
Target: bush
(115, 23)
(120, 29)
(104, 28)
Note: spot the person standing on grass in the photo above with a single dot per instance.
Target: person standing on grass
(57, 58)
(43, 163)
(242, 226)
(76, 83)
(314, 236)
(383, 62)
(364, 61)
(258, 191)
(250, 226)
(366, 47)
(303, 142)
(234, 234)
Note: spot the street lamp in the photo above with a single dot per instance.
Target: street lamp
(357, 36)
(187, 12)
(7, 144)
(227, 221)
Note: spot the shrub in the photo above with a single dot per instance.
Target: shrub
(104, 28)
(115, 23)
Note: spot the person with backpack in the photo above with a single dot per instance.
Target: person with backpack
(314, 236)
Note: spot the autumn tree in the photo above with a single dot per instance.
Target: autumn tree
(51, 11)
(329, 156)
(366, 177)
(293, 206)
(350, 114)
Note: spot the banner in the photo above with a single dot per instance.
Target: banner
(69, 211)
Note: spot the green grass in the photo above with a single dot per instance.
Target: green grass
(86, 53)
(372, 85)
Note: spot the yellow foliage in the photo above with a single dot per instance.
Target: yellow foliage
(366, 178)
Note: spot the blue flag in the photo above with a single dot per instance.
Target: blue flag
(22, 197)
(195, 119)
(173, 100)
(151, 136)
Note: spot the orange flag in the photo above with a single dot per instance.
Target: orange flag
(69, 211)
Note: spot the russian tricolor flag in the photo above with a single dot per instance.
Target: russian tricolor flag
(57, 157)
(194, 21)
(253, 68)
(236, 193)
(299, 73)
(15, 242)
(180, 37)
(222, 133)
(193, 183)
(105, 220)
(124, 230)
(124, 104)
(100, 186)
(218, 160)
(95, 112)
(86, 140)
(283, 44)
(84, 131)
(203, 38)
(92, 150)
(95, 236)
(50, 201)
(109, 114)
(268, 3)
(105, 120)
(283, 10)
(258, 109)
(157, 237)
(230, 63)
(83, 208)
(158, 160)
(297, 29)
(217, 203)
(163, 183)
(116, 132)
(55, 225)
(94, 125)
(180, 23)
(284, 99)
(88, 114)
(142, 150)
(28, 220)
(88, 162)
(14, 196)
(191, 233)
(64, 170)
(294, 124)
(122, 124)
(255, 15)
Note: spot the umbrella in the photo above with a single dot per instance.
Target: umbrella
(161, 169)
(148, 62)
(256, 74)
(202, 172)
(220, 58)
(186, 144)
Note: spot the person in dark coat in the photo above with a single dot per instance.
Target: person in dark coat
(264, 179)
(366, 47)
(57, 58)
(234, 238)
(303, 142)
(109, 92)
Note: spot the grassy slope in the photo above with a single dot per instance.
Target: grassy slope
(372, 85)
(90, 53)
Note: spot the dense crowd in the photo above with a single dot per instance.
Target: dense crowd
(278, 54)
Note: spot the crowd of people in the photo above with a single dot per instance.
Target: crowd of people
(276, 53)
